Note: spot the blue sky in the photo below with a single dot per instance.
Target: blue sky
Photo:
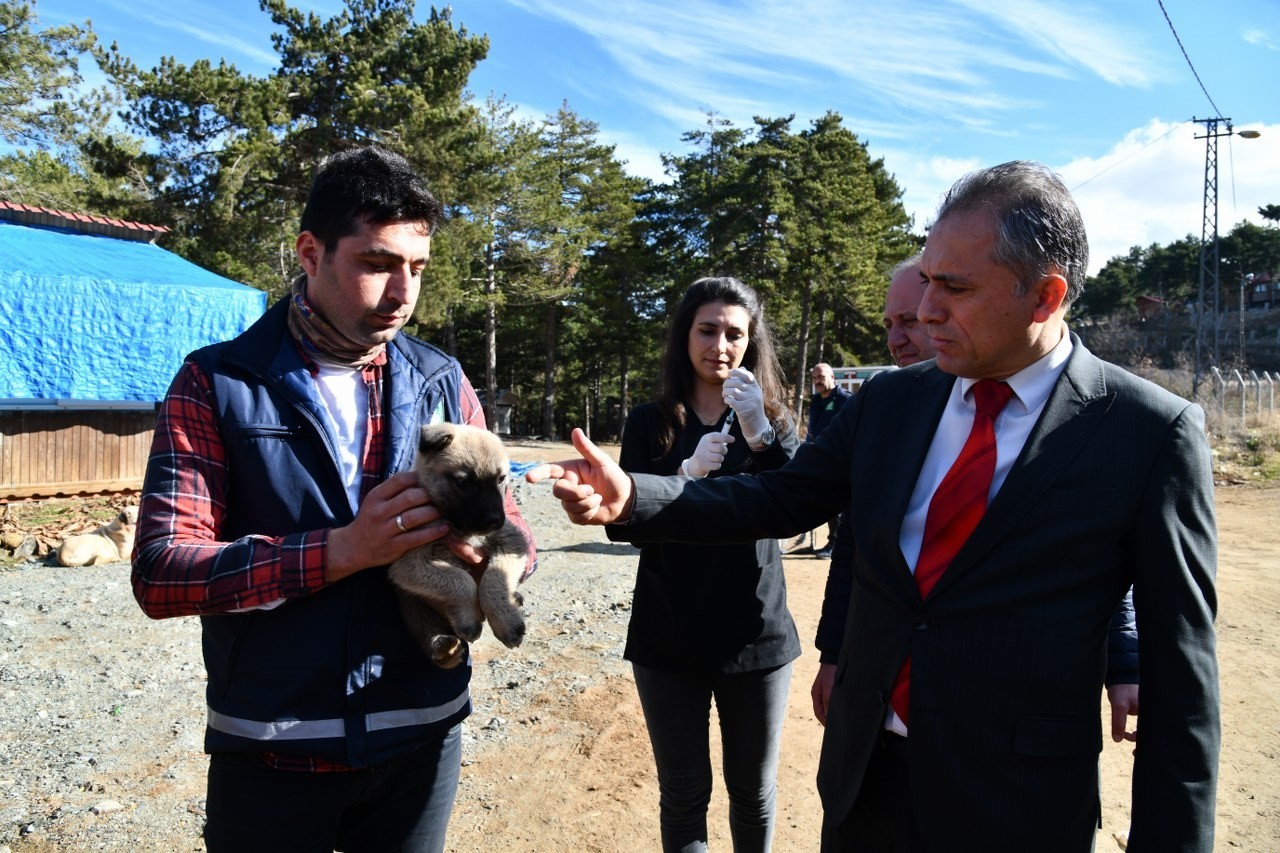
(1099, 90)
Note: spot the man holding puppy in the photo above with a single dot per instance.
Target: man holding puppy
(271, 510)
(1003, 498)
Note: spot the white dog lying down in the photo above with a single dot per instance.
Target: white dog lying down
(465, 470)
(110, 543)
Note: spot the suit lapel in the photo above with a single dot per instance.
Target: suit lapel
(1071, 415)
(919, 412)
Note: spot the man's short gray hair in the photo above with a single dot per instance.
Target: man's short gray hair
(1039, 230)
(906, 264)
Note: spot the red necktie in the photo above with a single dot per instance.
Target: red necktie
(957, 507)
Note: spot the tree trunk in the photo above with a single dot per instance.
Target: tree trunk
(802, 368)
(490, 342)
(549, 368)
(449, 335)
(624, 391)
(820, 343)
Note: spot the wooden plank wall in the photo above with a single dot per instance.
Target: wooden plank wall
(58, 453)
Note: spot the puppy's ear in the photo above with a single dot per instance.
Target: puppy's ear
(434, 438)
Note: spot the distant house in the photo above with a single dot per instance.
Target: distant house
(1263, 290)
(1149, 306)
(503, 407)
(95, 319)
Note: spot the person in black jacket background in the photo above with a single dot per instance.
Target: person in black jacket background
(828, 399)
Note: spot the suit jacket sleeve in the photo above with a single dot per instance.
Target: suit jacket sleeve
(808, 490)
(1174, 549)
(837, 594)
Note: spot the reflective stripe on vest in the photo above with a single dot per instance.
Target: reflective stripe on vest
(321, 729)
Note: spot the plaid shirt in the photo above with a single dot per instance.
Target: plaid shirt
(192, 576)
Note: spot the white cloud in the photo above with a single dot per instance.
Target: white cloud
(1150, 186)
(266, 56)
(1147, 188)
(920, 56)
(1079, 34)
(924, 180)
(936, 88)
(642, 159)
(1261, 38)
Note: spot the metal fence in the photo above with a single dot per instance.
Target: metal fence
(1239, 394)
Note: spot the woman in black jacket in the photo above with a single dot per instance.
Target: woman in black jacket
(711, 621)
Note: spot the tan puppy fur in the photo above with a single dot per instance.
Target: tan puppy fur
(110, 543)
(444, 601)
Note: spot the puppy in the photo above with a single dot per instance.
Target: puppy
(464, 469)
(110, 543)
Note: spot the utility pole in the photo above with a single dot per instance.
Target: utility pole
(1208, 241)
(1209, 270)
(1240, 356)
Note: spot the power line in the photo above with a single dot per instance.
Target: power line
(1216, 111)
(1134, 154)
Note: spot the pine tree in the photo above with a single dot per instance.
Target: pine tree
(236, 152)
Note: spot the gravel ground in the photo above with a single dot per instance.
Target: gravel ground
(101, 743)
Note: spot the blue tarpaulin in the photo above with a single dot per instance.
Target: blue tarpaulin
(519, 469)
(93, 318)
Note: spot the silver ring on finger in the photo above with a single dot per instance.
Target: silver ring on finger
(400, 524)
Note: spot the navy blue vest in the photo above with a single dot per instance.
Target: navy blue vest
(332, 675)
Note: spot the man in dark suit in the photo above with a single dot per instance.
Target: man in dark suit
(908, 342)
(1099, 480)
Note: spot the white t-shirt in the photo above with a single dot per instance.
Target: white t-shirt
(346, 399)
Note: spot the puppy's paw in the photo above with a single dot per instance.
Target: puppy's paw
(447, 651)
(469, 628)
(509, 628)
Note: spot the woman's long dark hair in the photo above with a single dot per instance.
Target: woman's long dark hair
(677, 371)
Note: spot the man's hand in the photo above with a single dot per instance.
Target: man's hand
(821, 690)
(395, 517)
(593, 489)
(709, 454)
(1124, 704)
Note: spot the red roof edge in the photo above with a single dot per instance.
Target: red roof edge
(84, 222)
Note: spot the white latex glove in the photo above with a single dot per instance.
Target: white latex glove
(743, 394)
(708, 456)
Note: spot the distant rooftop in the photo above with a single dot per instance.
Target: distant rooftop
(84, 223)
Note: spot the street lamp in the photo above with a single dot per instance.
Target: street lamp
(1209, 232)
